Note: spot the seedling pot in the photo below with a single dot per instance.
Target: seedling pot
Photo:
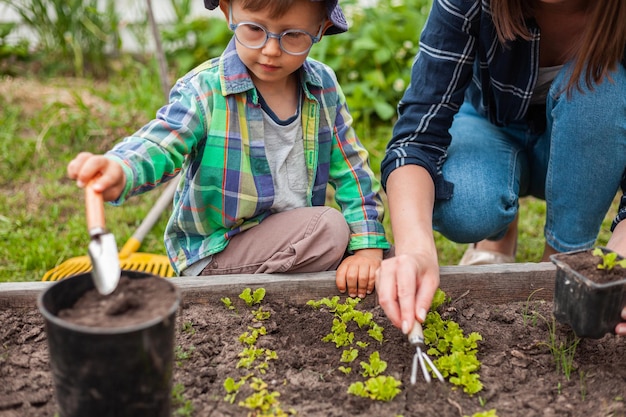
(98, 371)
(592, 309)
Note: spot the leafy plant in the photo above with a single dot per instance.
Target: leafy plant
(456, 354)
(375, 367)
(608, 259)
(380, 388)
(188, 327)
(183, 406)
(263, 402)
(562, 350)
(182, 354)
(345, 370)
(228, 303)
(528, 314)
(75, 31)
(349, 355)
(252, 298)
(232, 388)
(382, 43)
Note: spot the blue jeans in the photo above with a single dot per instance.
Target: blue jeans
(576, 165)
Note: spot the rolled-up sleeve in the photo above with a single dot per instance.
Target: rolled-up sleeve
(440, 75)
(621, 212)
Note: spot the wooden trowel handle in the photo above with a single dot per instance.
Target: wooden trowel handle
(94, 205)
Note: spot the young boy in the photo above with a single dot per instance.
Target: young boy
(257, 134)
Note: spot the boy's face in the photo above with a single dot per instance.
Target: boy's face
(270, 64)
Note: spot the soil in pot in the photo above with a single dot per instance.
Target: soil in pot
(133, 302)
(519, 373)
(111, 355)
(586, 263)
(588, 298)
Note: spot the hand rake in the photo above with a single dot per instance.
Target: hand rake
(130, 259)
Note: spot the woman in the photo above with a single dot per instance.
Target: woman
(508, 98)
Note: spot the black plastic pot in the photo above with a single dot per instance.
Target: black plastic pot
(101, 372)
(592, 309)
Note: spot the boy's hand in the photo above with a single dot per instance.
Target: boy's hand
(357, 272)
(107, 176)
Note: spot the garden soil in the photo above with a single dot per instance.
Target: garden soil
(518, 369)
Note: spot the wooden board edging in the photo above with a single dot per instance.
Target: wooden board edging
(495, 284)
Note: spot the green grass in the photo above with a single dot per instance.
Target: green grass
(41, 211)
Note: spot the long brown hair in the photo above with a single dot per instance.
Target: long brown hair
(601, 45)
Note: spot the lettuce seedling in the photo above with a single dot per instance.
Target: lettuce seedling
(232, 388)
(380, 388)
(456, 353)
(227, 302)
(349, 355)
(375, 367)
(609, 259)
(252, 298)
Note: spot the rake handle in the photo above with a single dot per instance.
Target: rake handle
(94, 208)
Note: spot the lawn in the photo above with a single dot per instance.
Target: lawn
(47, 121)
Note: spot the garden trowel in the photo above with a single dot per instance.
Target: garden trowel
(102, 247)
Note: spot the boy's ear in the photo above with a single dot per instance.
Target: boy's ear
(327, 24)
(224, 8)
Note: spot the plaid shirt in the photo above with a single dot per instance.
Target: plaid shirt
(212, 131)
(460, 59)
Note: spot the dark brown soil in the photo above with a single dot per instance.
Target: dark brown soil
(586, 263)
(518, 371)
(134, 301)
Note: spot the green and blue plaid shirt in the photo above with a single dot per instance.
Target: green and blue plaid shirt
(212, 131)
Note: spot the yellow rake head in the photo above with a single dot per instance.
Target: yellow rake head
(129, 260)
(144, 262)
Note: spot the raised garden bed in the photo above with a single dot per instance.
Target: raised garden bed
(509, 305)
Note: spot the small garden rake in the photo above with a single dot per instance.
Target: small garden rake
(416, 338)
(129, 258)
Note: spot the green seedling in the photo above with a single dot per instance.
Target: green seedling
(456, 354)
(562, 351)
(375, 367)
(184, 406)
(263, 402)
(248, 356)
(380, 388)
(252, 298)
(528, 314)
(188, 327)
(232, 388)
(349, 355)
(608, 259)
(376, 332)
(228, 303)
(250, 338)
(182, 355)
(345, 370)
(339, 334)
(582, 379)
(260, 315)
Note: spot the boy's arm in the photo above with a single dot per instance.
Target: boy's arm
(356, 186)
(156, 152)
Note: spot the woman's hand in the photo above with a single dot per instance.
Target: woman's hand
(405, 285)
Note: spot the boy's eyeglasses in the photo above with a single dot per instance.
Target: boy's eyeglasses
(254, 36)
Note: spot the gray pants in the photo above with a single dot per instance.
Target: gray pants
(308, 239)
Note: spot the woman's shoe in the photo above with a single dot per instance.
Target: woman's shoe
(473, 256)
